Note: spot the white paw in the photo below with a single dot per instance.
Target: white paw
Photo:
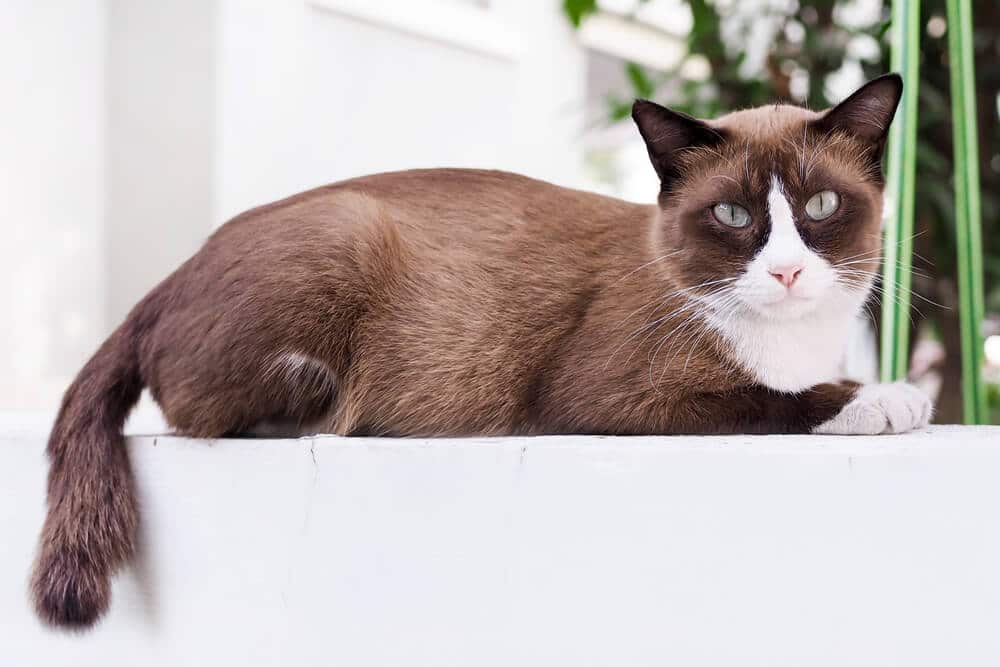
(881, 408)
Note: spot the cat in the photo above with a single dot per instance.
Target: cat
(464, 302)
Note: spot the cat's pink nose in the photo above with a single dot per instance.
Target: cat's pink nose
(786, 275)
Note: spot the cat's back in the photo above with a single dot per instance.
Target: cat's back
(490, 195)
(451, 208)
(484, 209)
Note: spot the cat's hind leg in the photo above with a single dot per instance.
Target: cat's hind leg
(307, 388)
(283, 394)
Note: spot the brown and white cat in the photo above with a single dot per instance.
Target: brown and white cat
(459, 302)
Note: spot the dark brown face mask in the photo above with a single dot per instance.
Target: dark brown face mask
(827, 166)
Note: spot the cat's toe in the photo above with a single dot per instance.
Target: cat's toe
(919, 404)
(881, 408)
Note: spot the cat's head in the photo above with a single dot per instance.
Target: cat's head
(773, 212)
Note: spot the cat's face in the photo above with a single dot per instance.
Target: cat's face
(773, 212)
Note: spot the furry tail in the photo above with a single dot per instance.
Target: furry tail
(92, 521)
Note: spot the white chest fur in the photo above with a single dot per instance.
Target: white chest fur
(788, 356)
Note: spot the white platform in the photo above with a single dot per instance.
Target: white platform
(548, 551)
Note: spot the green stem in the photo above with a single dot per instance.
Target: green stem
(900, 189)
(967, 208)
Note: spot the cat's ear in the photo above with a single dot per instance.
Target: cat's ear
(867, 113)
(668, 132)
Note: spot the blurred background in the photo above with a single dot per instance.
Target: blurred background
(132, 128)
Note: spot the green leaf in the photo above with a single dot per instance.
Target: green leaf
(882, 29)
(577, 10)
(641, 84)
(618, 109)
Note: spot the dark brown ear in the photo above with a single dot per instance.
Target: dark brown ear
(666, 133)
(867, 113)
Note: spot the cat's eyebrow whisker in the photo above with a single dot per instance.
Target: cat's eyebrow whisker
(813, 154)
(728, 178)
(746, 159)
(802, 156)
(713, 151)
(816, 152)
(800, 149)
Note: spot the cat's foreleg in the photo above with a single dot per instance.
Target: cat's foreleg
(836, 408)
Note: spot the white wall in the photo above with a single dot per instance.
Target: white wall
(314, 92)
(731, 551)
(52, 205)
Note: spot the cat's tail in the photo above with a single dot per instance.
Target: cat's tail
(92, 521)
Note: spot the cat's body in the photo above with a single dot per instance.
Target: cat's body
(442, 302)
(459, 302)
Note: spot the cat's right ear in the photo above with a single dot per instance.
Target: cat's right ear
(667, 133)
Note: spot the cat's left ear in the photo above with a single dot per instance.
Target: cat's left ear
(867, 113)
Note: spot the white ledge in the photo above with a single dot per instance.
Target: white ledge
(537, 551)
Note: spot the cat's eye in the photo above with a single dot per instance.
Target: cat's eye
(822, 205)
(732, 215)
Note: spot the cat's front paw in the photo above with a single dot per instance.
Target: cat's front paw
(881, 408)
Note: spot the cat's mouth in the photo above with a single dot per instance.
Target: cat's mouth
(793, 304)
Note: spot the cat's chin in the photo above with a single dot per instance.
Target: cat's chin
(831, 304)
(786, 309)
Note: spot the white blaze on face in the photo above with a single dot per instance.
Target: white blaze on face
(784, 246)
(766, 286)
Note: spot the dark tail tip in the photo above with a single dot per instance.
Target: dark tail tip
(89, 533)
(69, 593)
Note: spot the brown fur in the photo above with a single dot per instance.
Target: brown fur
(447, 302)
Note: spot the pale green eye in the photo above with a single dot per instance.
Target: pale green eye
(733, 215)
(822, 205)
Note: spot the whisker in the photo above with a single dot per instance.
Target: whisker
(649, 263)
(689, 304)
